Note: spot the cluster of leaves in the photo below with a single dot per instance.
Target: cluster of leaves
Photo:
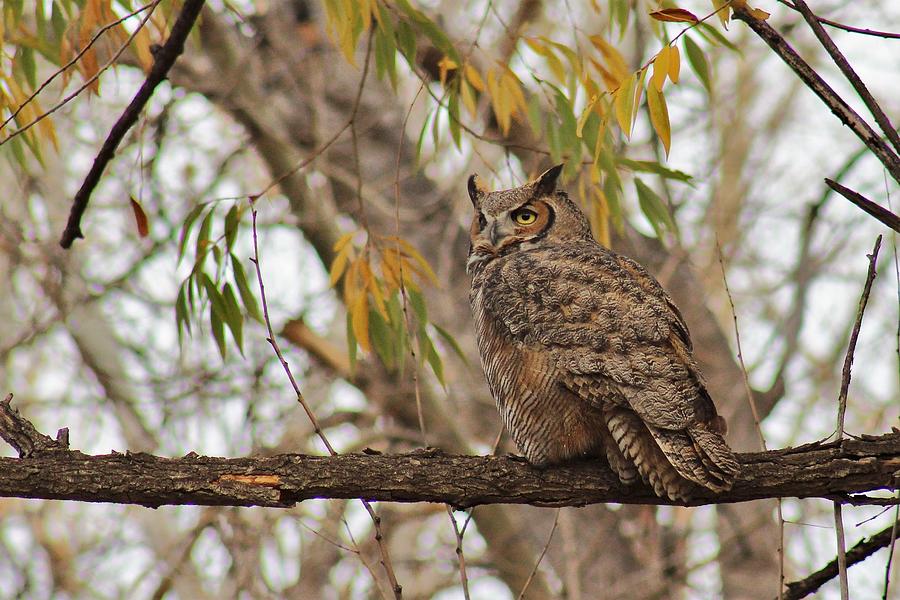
(68, 35)
(380, 281)
(208, 287)
(588, 88)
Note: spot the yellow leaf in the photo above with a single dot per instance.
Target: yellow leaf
(723, 10)
(500, 102)
(378, 296)
(661, 68)
(513, 86)
(359, 317)
(142, 49)
(600, 216)
(409, 250)
(474, 77)
(638, 92)
(446, 65)
(614, 59)
(623, 98)
(659, 116)
(674, 63)
(343, 241)
(351, 283)
(338, 265)
(468, 98)
(759, 14)
(585, 114)
(390, 268)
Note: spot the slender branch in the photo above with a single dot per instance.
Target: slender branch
(854, 336)
(845, 27)
(814, 82)
(841, 61)
(162, 63)
(875, 210)
(541, 557)
(461, 557)
(861, 551)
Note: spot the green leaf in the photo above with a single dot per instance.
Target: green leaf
(453, 115)
(351, 342)
(26, 60)
(218, 331)
(417, 302)
(646, 166)
(713, 35)
(233, 317)
(569, 124)
(431, 356)
(451, 341)
(698, 63)
(186, 228)
(232, 220)
(654, 208)
(383, 340)
(613, 193)
(247, 297)
(406, 41)
(182, 316)
(202, 239)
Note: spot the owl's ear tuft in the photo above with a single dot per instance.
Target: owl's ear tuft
(545, 185)
(476, 190)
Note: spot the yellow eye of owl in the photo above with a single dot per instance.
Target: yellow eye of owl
(524, 216)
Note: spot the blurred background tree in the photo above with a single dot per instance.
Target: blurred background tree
(691, 146)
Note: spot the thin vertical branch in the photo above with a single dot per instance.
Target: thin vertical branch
(413, 344)
(376, 520)
(541, 557)
(755, 412)
(854, 336)
(461, 558)
(841, 552)
(842, 411)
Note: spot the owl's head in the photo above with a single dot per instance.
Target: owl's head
(522, 218)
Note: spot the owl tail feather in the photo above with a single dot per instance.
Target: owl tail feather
(699, 455)
(638, 446)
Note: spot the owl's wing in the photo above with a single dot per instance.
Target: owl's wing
(619, 343)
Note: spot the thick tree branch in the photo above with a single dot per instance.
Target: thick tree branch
(163, 60)
(831, 471)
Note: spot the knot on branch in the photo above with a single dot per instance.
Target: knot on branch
(19, 433)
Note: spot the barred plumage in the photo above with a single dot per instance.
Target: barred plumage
(584, 352)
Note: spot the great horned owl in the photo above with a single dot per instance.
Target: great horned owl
(584, 352)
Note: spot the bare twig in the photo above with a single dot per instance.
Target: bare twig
(162, 63)
(463, 577)
(842, 410)
(890, 558)
(882, 214)
(814, 82)
(854, 336)
(755, 412)
(841, 61)
(858, 553)
(541, 557)
(376, 520)
(850, 28)
(841, 552)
